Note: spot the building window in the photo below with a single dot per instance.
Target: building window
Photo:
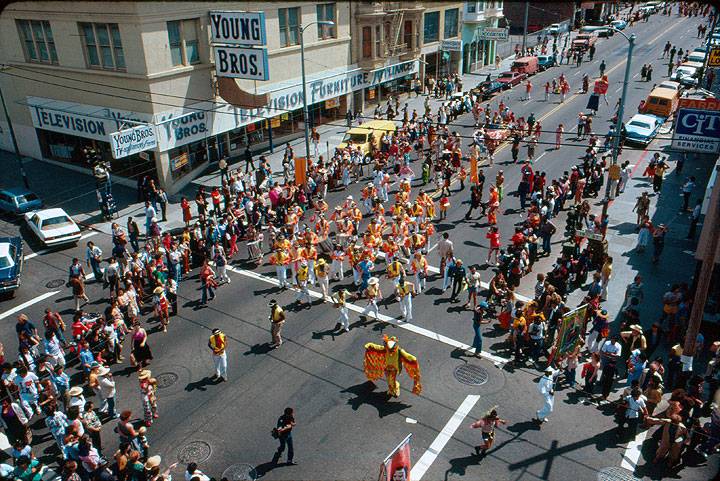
(378, 41)
(289, 26)
(499, 5)
(431, 28)
(481, 6)
(326, 13)
(37, 40)
(183, 38)
(470, 7)
(451, 23)
(408, 34)
(103, 48)
(367, 42)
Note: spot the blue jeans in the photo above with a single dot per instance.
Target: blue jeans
(96, 270)
(111, 406)
(287, 440)
(207, 289)
(477, 340)
(546, 244)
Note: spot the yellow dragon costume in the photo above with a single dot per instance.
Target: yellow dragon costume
(389, 359)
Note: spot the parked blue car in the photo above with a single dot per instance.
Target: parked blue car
(18, 201)
(619, 24)
(546, 61)
(11, 264)
(642, 129)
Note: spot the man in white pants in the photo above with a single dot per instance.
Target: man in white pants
(405, 292)
(322, 274)
(336, 268)
(340, 303)
(217, 344)
(372, 293)
(546, 387)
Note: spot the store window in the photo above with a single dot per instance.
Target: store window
(451, 23)
(367, 42)
(431, 27)
(326, 12)
(103, 48)
(38, 42)
(183, 38)
(289, 19)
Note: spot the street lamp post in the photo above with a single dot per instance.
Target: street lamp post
(14, 139)
(306, 116)
(620, 113)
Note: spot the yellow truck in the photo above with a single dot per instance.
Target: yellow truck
(361, 135)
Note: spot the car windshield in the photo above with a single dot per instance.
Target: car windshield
(6, 261)
(29, 197)
(640, 124)
(506, 75)
(56, 222)
(356, 138)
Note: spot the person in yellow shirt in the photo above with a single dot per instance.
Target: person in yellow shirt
(277, 320)
(322, 274)
(605, 274)
(519, 328)
(373, 294)
(419, 267)
(340, 300)
(395, 270)
(280, 259)
(404, 291)
(301, 278)
(217, 345)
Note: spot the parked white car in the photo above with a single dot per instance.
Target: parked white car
(53, 226)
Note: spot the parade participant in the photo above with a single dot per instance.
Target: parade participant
(372, 293)
(487, 425)
(301, 279)
(337, 268)
(404, 292)
(546, 387)
(419, 268)
(340, 301)
(218, 345)
(388, 359)
(395, 270)
(281, 260)
(277, 319)
(148, 391)
(322, 276)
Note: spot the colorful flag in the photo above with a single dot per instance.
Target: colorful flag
(397, 465)
(571, 327)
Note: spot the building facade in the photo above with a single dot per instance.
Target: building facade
(75, 72)
(540, 14)
(477, 49)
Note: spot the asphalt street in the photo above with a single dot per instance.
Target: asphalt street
(345, 425)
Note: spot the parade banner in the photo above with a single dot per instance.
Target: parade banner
(571, 327)
(300, 170)
(474, 170)
(396, 467)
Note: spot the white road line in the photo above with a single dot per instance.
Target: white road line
(432, 248)
(632, 452)
(421, 467)
(577, 73)
(540, 157)
(27, 304)
(636, 75)
(45, 251)
(390, 320)
(618, 89)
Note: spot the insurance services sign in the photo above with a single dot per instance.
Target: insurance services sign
(697, 131)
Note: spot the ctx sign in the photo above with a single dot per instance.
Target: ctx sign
(697, 131)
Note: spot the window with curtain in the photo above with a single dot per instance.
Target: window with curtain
(37, 40)
(326, 13)
(378, 41)
(103, 47)
(451, 23)
(289, 19)
(408, 34)
(183, 38)
(431, 27)
(367, 42)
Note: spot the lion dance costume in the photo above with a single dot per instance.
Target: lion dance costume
(389, 359)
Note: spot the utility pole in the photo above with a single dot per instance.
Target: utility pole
(712, 220)
(527, 10)
(14, 141)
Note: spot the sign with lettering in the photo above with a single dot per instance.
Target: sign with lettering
(697, 131)
(451, 45)
(492, 33)
(713, 58)
(132, 141)
(88, 121)
(199, 120)
(241, 62)
(699, 104)
(238, 28)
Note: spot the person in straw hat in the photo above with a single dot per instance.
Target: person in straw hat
(76, 398)
(148, 391)
(161, 306)
(152, 469)
(487, 425)
(546, 387)
(373, 293)
(635, 338)
(277, 320)
(107, 392)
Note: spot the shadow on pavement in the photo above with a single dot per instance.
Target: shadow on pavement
(365, 394)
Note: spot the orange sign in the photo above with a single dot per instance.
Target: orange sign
(601, 87)
(474, 170)
(700, 104)
(300, 170)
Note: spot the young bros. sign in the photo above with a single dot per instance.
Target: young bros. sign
(132, 141)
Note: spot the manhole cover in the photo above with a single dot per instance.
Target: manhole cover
(616, 473)
(240, 472)
(166, 379)
(471, 375)
(195, 451)
(55, 283)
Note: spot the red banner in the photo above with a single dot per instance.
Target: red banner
(397, 465)
(601, 87)
(474, 170)
(700, 104)
(300, 170)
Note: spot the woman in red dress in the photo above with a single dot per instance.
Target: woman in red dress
(187, 216)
